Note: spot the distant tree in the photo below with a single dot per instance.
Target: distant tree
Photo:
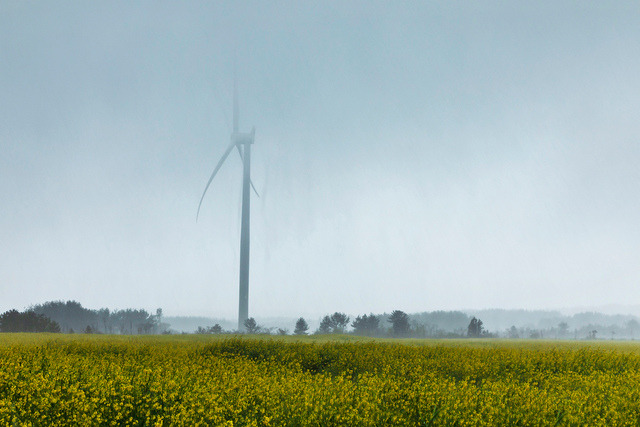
(421, 331)
(475, 328)
(29, 321)
(251, 326)
(104, 317)
(88, 330)
(147, 325)
(157, 321)
(132, 321)
(339, 322)
(301, 327)
(512, 333)
(365, 325)
(69, 314)
(215, 329)
(334, 324)
(159, 327)
(283, 331)
(563, 328)
(592, 334)
(632, 326)
(535, 334)
(442, 322)
(400, 323)
(326, 325)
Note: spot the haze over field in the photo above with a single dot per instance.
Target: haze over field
(414, 156)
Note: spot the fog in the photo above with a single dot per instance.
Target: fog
(414, 156)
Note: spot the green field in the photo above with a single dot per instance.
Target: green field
(53, 379)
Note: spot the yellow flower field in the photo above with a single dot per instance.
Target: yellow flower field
(224, 381)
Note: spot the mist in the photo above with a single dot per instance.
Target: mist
(413, 156)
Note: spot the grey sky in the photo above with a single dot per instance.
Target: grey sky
(414, 155)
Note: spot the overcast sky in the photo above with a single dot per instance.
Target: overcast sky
(409, 155)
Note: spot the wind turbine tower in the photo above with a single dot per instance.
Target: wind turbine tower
(242, 142)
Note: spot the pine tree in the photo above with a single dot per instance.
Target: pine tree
(301, 327)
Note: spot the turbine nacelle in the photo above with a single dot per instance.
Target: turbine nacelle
(241, 138)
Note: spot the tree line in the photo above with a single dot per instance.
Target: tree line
(397, 324)
(71, 316)
(28, 321)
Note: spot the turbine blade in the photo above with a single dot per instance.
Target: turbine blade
(250, 181)
(215, 171)
(254, 188)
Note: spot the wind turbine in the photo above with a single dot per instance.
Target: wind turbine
(242, 142)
